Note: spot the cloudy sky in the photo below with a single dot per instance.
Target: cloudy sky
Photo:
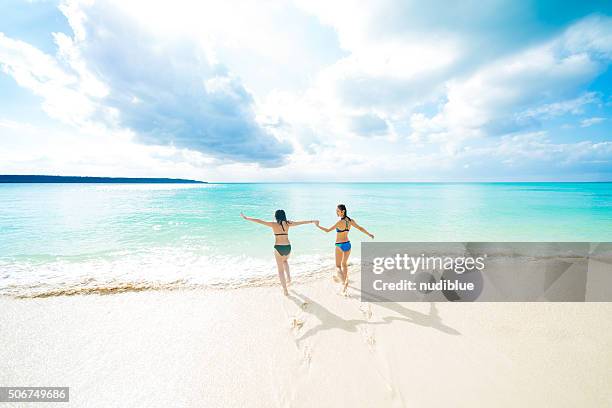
(309, 90)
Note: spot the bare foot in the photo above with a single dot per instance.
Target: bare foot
(345, 287)
(285, 292)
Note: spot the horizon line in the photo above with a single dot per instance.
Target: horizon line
(169, 180)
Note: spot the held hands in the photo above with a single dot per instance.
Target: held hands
(371, 236)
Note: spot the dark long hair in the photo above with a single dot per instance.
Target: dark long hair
(342, 207)
(280, 217)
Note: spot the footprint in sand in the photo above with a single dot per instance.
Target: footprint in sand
(369, 338)
(304, 305)
(307, 356)
(296, 323)
(366, 310)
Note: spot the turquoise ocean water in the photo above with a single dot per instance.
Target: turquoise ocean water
(55, 236)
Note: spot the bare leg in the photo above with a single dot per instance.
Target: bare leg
(339, 277)
(286, 267)
(281, 272)
(345, 256)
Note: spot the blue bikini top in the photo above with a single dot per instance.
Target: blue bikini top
(344, 230)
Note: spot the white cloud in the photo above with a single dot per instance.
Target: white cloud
(45, 77)
(591, 121)
(100, 153)
(506, 95)
(398, 72)
(527, 148)
(389, 89)
(184, 100)
(573, 106)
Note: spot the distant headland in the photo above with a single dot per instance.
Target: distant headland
(76, 179)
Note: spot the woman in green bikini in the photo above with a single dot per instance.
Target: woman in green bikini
(282, 246)
(343, 245)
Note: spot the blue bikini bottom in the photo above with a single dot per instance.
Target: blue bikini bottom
(344, 246)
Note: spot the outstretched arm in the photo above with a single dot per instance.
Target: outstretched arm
(257, 220)
(360, 228)
(323, 228)
(294, 223)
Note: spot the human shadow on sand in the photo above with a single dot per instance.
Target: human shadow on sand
(329, 320)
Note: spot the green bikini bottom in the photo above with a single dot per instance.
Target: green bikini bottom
(283, 250)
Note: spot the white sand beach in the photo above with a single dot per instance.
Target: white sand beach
(252, 347)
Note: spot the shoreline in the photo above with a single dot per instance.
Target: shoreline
(118, 287)
(204, 347)
(254, 282)
(304, 269)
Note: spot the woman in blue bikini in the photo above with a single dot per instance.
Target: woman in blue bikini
(282, 246)
(343, 245)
